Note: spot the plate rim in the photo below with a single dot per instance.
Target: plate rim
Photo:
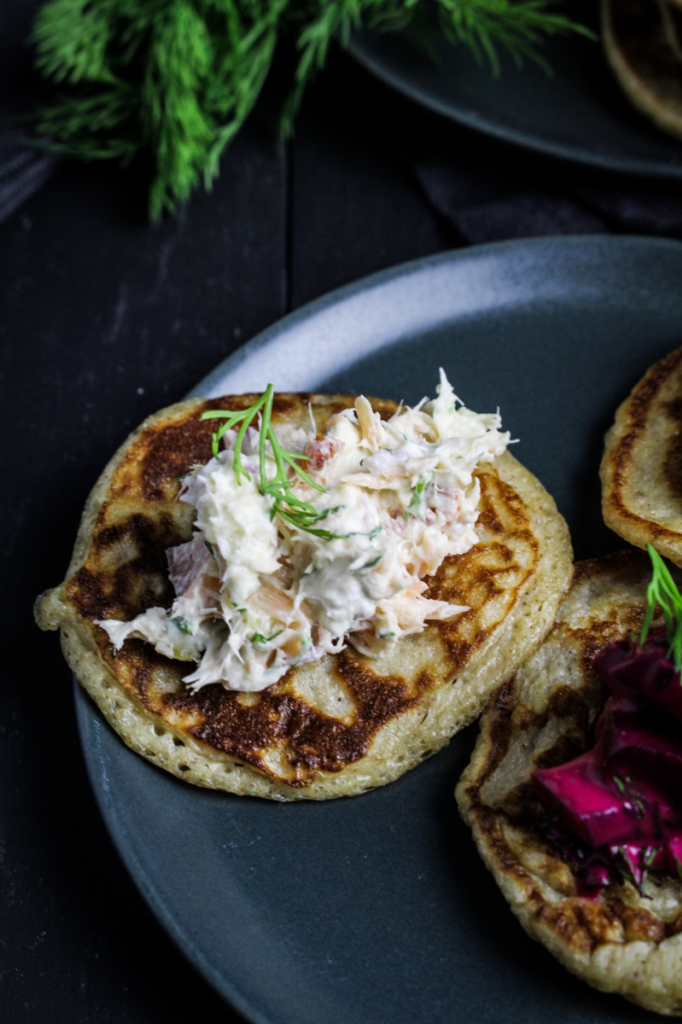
(361, 46)
(465, 254)
(91, 725)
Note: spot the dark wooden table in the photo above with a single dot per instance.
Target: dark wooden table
(104, 319)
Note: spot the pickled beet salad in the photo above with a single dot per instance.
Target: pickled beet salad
(616, 810)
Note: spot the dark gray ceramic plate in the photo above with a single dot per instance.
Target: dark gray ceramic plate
(376, 910)
(577, 114)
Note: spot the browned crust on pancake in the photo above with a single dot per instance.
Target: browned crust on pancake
(295, 745)
(313, 740)
(641, 470)
(642, 60)
(621, 941)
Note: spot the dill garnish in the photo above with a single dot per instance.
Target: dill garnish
(285, 504)
(662, 592)
(176, 79)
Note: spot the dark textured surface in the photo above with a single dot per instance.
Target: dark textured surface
(103, 319)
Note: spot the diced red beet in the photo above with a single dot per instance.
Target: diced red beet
(651, 855)
(628, 746)
(635, 860)
(595, 875)
(602, 810)
(622, 801)
(645, 670)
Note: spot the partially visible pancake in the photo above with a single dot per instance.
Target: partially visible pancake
(330, 728)
(621, 941)
(640, 39)
(641, 471)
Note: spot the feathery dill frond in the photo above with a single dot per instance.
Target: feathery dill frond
(177, 78)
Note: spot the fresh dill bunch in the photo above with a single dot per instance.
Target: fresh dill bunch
(663, 593)
(176, 79)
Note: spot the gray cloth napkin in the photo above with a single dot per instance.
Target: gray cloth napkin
(488, 191)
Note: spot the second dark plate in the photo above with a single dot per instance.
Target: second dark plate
(578, 113)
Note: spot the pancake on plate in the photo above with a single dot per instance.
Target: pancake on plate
(643, 44)
(359, 710)
(621, 936)
(641, 470)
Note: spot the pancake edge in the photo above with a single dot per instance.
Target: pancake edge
(665, 116)
(619, 444)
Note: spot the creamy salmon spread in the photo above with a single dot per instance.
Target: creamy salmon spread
(262, 587)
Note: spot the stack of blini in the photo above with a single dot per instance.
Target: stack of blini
(348, 722)
(623, 936)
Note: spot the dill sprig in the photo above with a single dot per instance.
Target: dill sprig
(662, 592)
(176, 79)
(286, 504)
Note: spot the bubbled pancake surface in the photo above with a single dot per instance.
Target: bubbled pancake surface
(641, 470)
(622, 941)
(335, 727)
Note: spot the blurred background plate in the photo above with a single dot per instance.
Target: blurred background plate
(578, 113)
(377, 910)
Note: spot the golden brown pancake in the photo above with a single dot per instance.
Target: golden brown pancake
(330, 728)
(641, 471)
(621, 941)
(641, 40)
